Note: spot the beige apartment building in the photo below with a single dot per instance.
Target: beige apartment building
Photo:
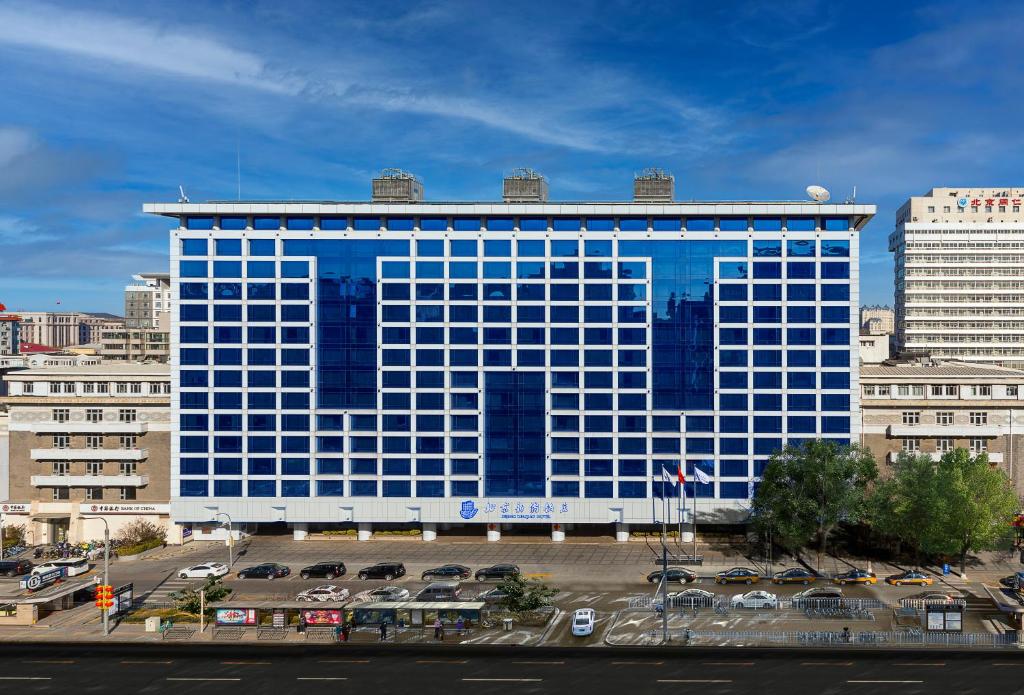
(88, 440)
(959, 256)
(145, 335)
(875, 320)
(60, 329)
(933, 406)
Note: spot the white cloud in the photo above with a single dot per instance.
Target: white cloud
(14, 142)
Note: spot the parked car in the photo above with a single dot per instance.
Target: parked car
(674, 574)
(203, 570)
(855, 576)
(383, 570)
(915, 577)
(795, 575)
(932, 597)
(820, 592)
(12, 568)
(583, 622)
(447, 572)
(389, 593)
(755, 599)
(323, 570)
(267, 570)
(685, 599)
(440, 591)
(496, 572)
(491, 596)
(738, 575)
(72, 566)
(325, 592)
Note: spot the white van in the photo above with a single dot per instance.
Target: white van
(73, 566)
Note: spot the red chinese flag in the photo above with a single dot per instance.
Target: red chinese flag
(682, 476)
(3, 307)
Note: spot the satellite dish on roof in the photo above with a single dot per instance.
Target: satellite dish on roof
(818, 194)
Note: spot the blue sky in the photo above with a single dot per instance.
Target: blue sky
(109, 105)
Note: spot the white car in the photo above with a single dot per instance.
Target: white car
(755, 599)
(326, 592)
(388, 593)
(583, 622)
(203, 571)
(690, 598)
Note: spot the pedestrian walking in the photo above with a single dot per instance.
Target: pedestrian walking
(302, 623)
(383, 632)
(460, 624)
(441, 633)
(437, 628)
(346, 630)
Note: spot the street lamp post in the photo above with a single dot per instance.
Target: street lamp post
(231, 539)
(106, 567)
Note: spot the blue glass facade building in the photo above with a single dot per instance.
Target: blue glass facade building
(492, 363)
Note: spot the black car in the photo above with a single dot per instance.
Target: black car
(497, 572)
(12, 568)
(447, 572)
(674, 574)
(268, 570)
(383, 570)
(323, 570)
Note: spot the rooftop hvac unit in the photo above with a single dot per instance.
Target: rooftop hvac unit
(653, 186)
(524, 186)
(397, 186)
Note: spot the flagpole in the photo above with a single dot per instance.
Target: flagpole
(695, 519)
(664, 562)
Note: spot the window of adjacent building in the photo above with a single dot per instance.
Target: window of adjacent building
(903, 390)
(61, 493)
(61, 467)
(943, 445)
(931, 208)
(979, 418)
(159, 387)
(869, 390)
(94, 468)
(135, 387)
(936, 390)
(121, 387)
(952, 390)
(911, 417)
(102, 387)
(128, 441)
(911, 445)
(61, 441)
(93, 493)
(88, 387)
(128, 467)
(944, 417)
(1011, 391)
(127, 493)
(979, 445)
(61, 414)
(982, 390)
(126, 415)
(94, 441)
(27, 387)
(884, 390)
(93, 415)
(917, 390)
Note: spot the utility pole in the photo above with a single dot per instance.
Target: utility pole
(664, 565)
(202, 611)
(106, 567)
(231, 539)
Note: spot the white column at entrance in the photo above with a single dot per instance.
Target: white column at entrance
(300, 531)
(557, 533)
(429, 531)
(621, 532)
(364, 531)
(493, 533)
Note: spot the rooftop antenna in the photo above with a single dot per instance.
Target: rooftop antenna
(853, 198)
(238, 165)
(182, 198)
(818, 194)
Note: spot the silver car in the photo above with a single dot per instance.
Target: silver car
(325, 592)
(388, 593)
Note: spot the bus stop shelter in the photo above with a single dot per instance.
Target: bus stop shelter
(415, 613)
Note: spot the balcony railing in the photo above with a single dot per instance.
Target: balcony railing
(89, 454)
(104, 427)
(944, 431)
(90, 480)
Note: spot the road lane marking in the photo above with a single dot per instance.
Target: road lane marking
(146, 662)
(244, 663)
(204, 679)
(1009, 663)
(637, 663)
(694, 680)
(885, 681)
(441, 661)
(343, 661)
(24, 678)
(321, 678)
(537, 663)
(728, 663)
(908, 663)
(826, 663)
(50, 661)
(503, 680)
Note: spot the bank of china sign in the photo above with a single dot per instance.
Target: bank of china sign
(523, 511)
(125, 508)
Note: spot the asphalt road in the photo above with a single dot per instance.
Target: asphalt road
(275, 670)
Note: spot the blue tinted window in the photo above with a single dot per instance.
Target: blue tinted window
(835, 358)
(399, 224)
(835, 314)
(266, 222)
(835, 248)
(835, 336)
(464, 247)
(366, 224)
(796, 292)
(533, 224)
(396, 269)
(729, 270)
(733, 358)
(193, 247)
(701, 224)
(466, 224)
(564, 247)
(294, 269)
(434, 224)
(731, 314)
(835, 271)
(193, 290)
(767, 248)
(430, 247)
(228, 247)
(530, 248)
(500, 224)
(766, 270)
(192, 269)
(262, 247)
(199, 223)
(600, 248)
(566, 224)
(767, 314)
(800, 247)
(835, 293)
(497, 247)
(836, 224)
(767, 224)
(732, 224)
(767, 293)
(767, 358)
(800, 358)
(600, 224)
(800, 224)
(666, 224)
(801, 314)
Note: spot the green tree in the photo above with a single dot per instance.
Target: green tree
(522, 596)
(188, 600)
(808, 491)
(974, 505)
(902, 506)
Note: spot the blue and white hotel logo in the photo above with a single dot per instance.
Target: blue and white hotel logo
(468, 510)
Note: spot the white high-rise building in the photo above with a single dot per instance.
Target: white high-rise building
(960, 275)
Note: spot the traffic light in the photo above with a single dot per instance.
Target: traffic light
(104, 595)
